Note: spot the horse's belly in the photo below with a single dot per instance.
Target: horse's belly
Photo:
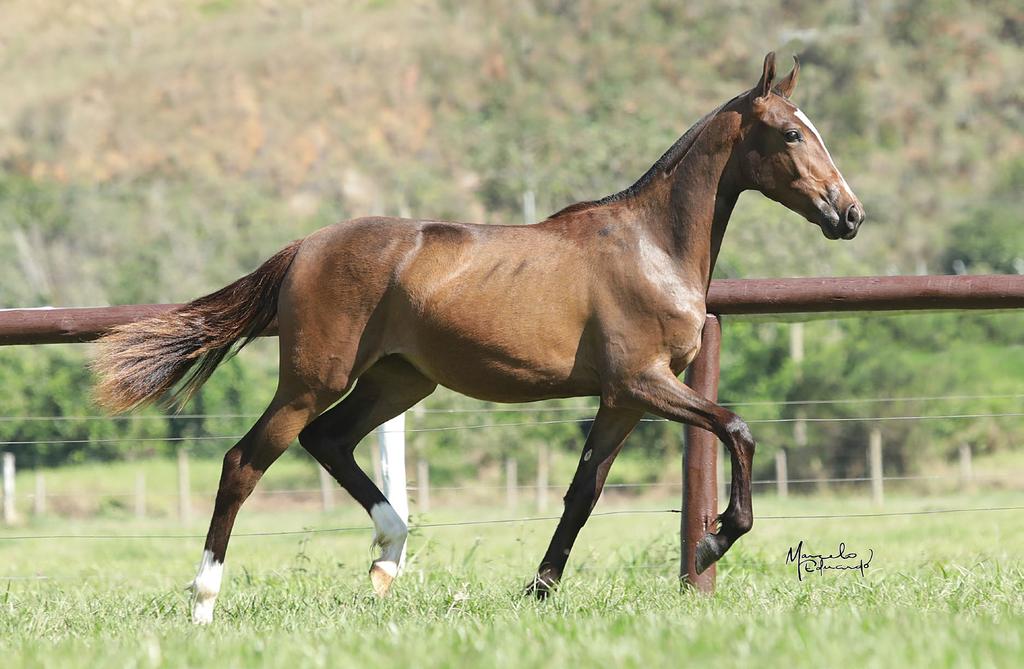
(498, 369)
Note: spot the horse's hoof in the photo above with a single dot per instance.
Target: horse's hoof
(540, 588)
(707, 553)
(382, 575)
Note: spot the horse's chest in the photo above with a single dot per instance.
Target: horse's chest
(674, 312)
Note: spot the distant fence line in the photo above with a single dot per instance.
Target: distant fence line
(966, 479)
(534, 409)
(700, 466)
(454, 428)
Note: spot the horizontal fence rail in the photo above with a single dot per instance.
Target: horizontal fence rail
(726, 296)
(867, 293)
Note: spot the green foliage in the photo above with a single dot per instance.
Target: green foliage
(991, 237)
(192, 165)
(940, 592)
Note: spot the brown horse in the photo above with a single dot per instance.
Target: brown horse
(604, 298)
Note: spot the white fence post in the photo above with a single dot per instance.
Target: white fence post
(542, 478)
(781, 473)
(375, 459)
(140, 495)
(966, 469)
(391, 442)
(39, 499)
(723, 492)
(875, 465)
(423, 485)
(327, 484)
(8, 492)
(184, 489)
(511, 483)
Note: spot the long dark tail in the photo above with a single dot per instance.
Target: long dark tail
(171, 356)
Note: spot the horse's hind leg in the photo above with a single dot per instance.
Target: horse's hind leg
(243, 466)
(385, 390)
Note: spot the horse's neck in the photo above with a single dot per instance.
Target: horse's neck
(691, 208)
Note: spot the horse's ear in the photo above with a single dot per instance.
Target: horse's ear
(764, 86)
(788, 83)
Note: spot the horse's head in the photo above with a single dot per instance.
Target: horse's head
(783, 156)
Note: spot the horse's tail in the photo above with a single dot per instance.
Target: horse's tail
(172, 355)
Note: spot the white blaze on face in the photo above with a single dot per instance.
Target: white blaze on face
(391, 533)
(842, 180)
(205, 588)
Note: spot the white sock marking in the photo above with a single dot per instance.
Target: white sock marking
(206, 587)
(391, 534)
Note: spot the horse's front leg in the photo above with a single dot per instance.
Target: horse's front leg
(659, 391)
(607, 434)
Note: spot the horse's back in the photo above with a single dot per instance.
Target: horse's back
(511, 299)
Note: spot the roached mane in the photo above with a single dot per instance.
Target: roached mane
(664, 165)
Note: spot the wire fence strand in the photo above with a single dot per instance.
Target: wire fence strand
(537, 409)
(449, 428)
(494, 521)
(976, 477)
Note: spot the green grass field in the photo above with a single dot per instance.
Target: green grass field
(942, 590)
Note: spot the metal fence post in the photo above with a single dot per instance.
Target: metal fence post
(700, 499)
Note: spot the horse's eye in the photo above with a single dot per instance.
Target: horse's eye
(793, 136)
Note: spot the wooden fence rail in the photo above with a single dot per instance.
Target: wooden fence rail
(726, 297)
(733, 296)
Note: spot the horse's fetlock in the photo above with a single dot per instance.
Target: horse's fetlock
(744, 522)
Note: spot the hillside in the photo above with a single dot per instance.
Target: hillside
(213, 132)
(153, 151)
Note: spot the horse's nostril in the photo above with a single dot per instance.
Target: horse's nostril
(854, 215)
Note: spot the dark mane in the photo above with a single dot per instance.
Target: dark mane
(664, 165)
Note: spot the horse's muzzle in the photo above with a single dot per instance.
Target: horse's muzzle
(845, 226)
